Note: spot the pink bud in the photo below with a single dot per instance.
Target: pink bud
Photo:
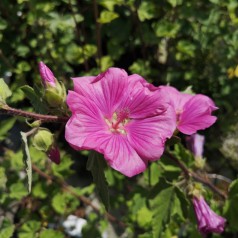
(208, 221)
(54, 154)
(195, 144)
(46, 75)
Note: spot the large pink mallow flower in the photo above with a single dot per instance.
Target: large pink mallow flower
(194, 112)
(123, 117)
(208, 221)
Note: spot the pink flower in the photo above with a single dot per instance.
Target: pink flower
(195, 144)
(123, 117)
(46, 75)
(193, 111)
(54, 154)
(208, 221)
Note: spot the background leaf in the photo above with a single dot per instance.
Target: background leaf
(5, 92)
(96, 165)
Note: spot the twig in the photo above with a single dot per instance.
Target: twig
(219, 177)
(195, 176)
(83, 199)
(44, 118)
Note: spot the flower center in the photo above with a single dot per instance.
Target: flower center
(119, 119)
(178, 115)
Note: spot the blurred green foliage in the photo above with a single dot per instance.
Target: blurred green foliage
(180, 42)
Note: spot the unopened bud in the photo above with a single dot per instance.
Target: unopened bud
(47, 76)
(207, 220)
(55, 92)
(54, 154)
(43, 139)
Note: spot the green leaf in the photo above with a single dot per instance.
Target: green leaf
(64, 203)
(35, 99)
(162, 206)
(5, 92)
(27, 160)
(146, 11)
(51, 234)
(5, 126)
(6, 229)
(96, 165)
(106, 62)
(39, 190)
(181, 204)
(109, 4)
(107, 16)
(144, 217)
(63, 169)
(29, 229)
(18, 191)
(58, 203)
(175, 3)
(166, 29)
(3, 24)
(3, 178)
(186, 48)
(231, 208)
(22, 50)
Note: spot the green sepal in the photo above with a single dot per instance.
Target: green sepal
(55, 96)
(43, 139)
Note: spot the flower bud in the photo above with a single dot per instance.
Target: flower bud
(43, 140)
(208, 221)
(54, 154)
(56, 97)
(47, 76)
(195, 144)
(55, 92)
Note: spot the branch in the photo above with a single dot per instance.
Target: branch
(44, 118)
(83, 199)
(195, 176)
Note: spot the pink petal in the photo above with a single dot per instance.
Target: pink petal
(114, 83)
(81, 85)
(80, 127)
(197, 115)
(148, 136)
(120, 155)
(117, 151)
(82, 105)
(177, 98)
(106, 90)
(46, 75)
(142, 99)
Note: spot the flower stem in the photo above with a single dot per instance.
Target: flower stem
(44, 118)
(195, 176)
